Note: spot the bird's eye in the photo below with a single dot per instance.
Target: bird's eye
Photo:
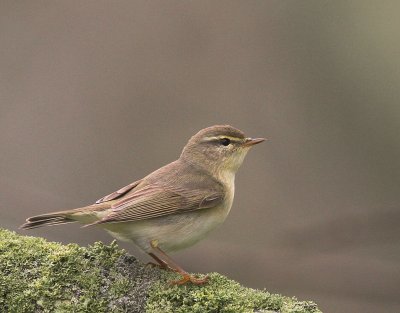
(225, 141)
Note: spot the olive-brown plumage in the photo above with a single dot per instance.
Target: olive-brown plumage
(176, 205)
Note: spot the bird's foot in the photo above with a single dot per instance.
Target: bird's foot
(190, 278)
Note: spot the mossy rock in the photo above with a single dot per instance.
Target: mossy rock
(41, 276)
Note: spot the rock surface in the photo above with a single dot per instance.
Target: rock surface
(41, 276)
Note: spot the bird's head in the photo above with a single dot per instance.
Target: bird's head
(218, 148)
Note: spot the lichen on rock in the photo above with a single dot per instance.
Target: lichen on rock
(221, 295)
(41, 276)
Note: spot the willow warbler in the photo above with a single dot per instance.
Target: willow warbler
(173, 207)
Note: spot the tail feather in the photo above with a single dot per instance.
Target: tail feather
(47, 220)
(83, 215)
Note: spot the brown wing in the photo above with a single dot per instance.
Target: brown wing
(155, 201)
(119, 193)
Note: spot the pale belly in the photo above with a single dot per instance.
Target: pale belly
(173, 232)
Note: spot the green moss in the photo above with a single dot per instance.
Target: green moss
(221, 295)
(41, 276)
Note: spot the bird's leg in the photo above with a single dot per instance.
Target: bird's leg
(160, 263)
(186, 277)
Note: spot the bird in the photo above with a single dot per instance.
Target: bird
(173, 207)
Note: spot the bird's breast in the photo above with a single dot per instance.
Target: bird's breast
(177, 231)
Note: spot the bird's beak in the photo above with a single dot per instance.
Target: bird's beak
(253, 141)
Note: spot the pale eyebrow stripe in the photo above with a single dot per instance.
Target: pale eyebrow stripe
(221, 137)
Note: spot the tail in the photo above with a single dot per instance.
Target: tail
(85, 215)
(50, 219)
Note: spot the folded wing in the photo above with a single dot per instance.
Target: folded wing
(154, 201)
(119, 193)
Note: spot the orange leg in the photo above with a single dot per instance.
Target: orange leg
(165, 259)
(160, 263)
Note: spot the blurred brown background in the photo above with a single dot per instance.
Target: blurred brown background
(96, 94)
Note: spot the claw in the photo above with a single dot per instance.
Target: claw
(166, 262)
(187, 277)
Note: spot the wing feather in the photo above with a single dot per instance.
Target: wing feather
(119, 193)
(154, 201)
